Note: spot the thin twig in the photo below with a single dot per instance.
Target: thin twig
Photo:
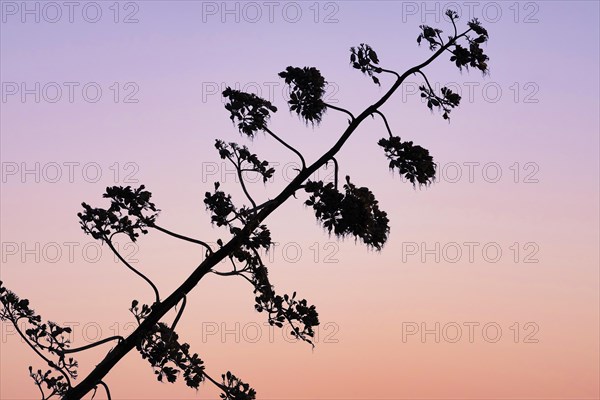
(389, 71)
(105, 386)
(387, 126)
(426, 81)
(336, 170)
(238, 169)
(182, 237)
(217, 384)
(144, 277)
(286, 145)
(340, 109)
(183, 303)
(89, 346)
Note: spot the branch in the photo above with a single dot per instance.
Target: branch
(183, 303)
(387, 126)
(108, 241)
(238, 168)
(233, 273)
(39, 385)
(217, 384)
(105, 386)
(286, 145)
(336, 171)
(426, 81)
(441, 40)
(176, 320)
(89, 346)
(160, 309)
(259, 206)
(178, 236)
(454, 25)
(389, 71)
(340, 109)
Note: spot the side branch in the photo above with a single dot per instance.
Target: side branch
(89, 346)
(336, 170)
(287, 146)
(138, 273)
(238, 168)
(387, 71)
(105, 386)
(179, 314)
(387, 126)
(426, 80)
(340, 109)
(182, 237)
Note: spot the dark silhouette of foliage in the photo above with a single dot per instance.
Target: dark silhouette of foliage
(365, 59)
(235, 389)
(125, 214)
(307, 89)
(161, 347)
(42, 337)
(220, 205)
(243, 155)
(414, 162)
(352, 211)
(445, 103)
(249, 110)
(473, 56)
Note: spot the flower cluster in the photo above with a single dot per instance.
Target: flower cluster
(42, 337)
(307, 89)
(244, 159)
(355, 212)
(414, 162)
(130, 212)
(165, 354)
(365, 59)
(250, 111)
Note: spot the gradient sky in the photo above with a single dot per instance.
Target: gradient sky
(518, 175)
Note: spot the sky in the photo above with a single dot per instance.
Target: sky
(488, 287)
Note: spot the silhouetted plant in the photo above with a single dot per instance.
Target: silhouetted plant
(354, 211)
(307, 89)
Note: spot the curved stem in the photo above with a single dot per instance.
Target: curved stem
(138, 273)
(426, 81)
(260, 206)
(217, 384)
(340, 109)
(387, 126)
(89, 346)
(39, 385)
(287, 146)
(238, 169)
(441, 40)
(178, 236)
(243, 185)
(105, 386)
(336, 172)
(454, 25)
(233, 273)
(183, 303)
(389, 71)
